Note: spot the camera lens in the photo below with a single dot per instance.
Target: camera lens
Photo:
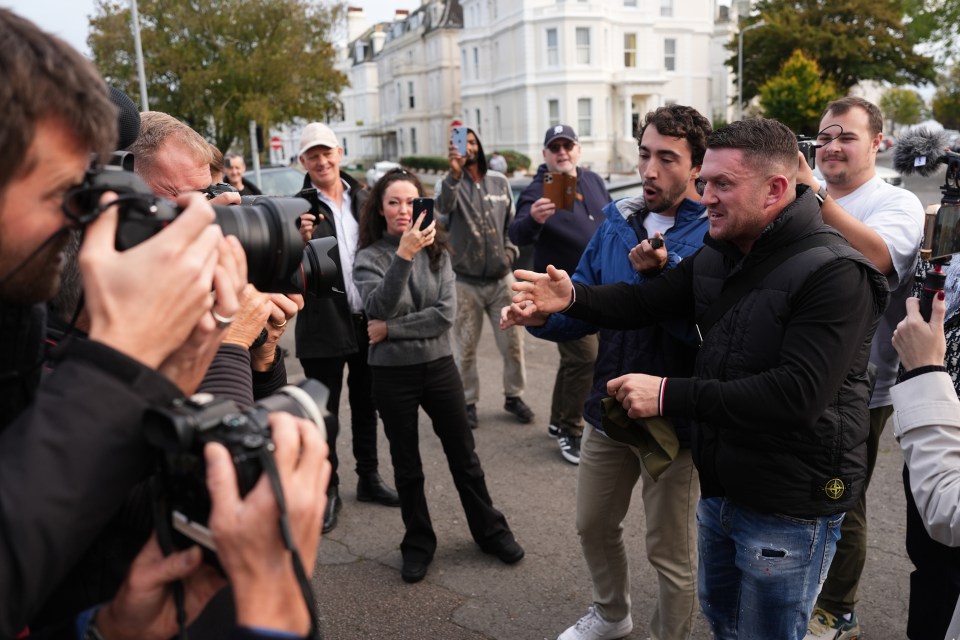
(276, 258)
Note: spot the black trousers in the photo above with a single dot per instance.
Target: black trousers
(435, 386)
(935, 583)
(363, 411)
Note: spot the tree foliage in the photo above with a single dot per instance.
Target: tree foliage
(902, 106)
(217, 64)
(946, 101)
(796, 96)
(852, 40)
(936, 22)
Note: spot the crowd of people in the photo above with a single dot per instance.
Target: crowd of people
(735, 275)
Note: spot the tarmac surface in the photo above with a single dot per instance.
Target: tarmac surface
(468, 595)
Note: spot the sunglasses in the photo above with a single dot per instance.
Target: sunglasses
(555, 147)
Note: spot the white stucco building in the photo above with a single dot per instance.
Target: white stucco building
(511, 68)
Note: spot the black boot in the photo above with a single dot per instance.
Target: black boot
(372, 488)
(333, 506)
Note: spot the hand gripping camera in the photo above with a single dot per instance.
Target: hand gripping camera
(277, 260)
(180, 432)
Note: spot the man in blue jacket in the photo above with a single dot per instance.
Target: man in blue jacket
(559, 236)
(672, 141)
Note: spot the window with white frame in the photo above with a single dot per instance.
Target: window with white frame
(553, 112)
(585, 117)
(629, 3)
(410, 97)
(666, 8)
(477, 113)
(670, 54)
(399, 98)
(630, 50)
(553, 48)
(413, 141)
(476, 63)
(583, 45)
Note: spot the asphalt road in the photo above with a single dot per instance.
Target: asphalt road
(471, 596)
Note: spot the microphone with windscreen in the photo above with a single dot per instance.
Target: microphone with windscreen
(922, 152)
(128, 128)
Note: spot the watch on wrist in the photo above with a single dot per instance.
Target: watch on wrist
(822, 194)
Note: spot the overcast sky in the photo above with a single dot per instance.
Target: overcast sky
(70, 19)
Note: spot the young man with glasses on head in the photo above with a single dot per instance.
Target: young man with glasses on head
(559, 236)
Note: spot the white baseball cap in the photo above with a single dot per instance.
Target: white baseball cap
(317, 134)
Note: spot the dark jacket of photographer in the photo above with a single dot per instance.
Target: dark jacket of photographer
(324, 326)
(779, 389)
(562, 238)
(71, 448)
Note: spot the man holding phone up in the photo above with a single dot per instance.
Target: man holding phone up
(476, 206)
(559, 236)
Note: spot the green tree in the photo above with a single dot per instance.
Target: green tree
(902, 106)
(217, 64)
(946, 101)
(852, 40)
(796, 96)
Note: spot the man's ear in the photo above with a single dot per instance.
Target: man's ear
(777, 186)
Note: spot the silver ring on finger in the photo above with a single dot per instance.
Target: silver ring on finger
(222, 321)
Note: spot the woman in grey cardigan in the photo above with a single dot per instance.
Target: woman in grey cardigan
(406, 280)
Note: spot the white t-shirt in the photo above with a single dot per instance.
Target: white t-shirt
(897, 215)
(348, 237)
(655, 222)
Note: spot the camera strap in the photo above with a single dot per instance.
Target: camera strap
(269, 465)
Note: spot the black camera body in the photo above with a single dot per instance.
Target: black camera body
(277, 260)
(808, 147)
(180, 432)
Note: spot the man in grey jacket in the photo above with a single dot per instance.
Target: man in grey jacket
(476, 205)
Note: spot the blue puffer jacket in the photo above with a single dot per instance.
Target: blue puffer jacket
(661, 350)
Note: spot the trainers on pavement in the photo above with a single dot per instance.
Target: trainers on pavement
(519, 408)
(553, 431)
(593, 627)
(569, 446)
(824, 625)
(472, 416)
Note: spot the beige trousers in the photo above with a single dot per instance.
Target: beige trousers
(606, 477)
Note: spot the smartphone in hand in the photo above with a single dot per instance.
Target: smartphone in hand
(459, 138)
(421, 205)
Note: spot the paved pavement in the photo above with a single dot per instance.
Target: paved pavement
(471, 596)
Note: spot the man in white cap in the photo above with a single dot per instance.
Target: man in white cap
(331, 333)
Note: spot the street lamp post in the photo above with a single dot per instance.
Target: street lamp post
(740, 65)
(135, 19)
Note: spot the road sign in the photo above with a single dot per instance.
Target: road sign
(275, 143)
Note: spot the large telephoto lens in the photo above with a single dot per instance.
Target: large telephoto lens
(277, 260)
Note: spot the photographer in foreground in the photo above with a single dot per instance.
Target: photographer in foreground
(926, 422)
(71, 446)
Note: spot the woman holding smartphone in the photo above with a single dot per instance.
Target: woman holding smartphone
(406, 280)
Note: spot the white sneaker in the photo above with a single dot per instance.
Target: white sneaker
(593, 627)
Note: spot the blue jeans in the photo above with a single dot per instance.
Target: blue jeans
(760, 573)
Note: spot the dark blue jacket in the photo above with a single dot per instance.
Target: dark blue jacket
(662, 350)
(561, 240)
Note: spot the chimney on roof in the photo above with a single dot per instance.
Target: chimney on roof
(356, 23)
(401, 14)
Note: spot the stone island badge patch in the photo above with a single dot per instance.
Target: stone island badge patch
(834, 488)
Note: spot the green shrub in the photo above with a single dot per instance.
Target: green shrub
(515, 160)
(434, 163)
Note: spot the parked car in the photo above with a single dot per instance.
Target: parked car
(378, 170)
(277, 180)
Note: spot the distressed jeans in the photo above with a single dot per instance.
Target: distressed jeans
(760, 573)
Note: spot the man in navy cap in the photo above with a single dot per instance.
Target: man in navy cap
(559, 236)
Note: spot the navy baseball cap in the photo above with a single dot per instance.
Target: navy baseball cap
(560, 131)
